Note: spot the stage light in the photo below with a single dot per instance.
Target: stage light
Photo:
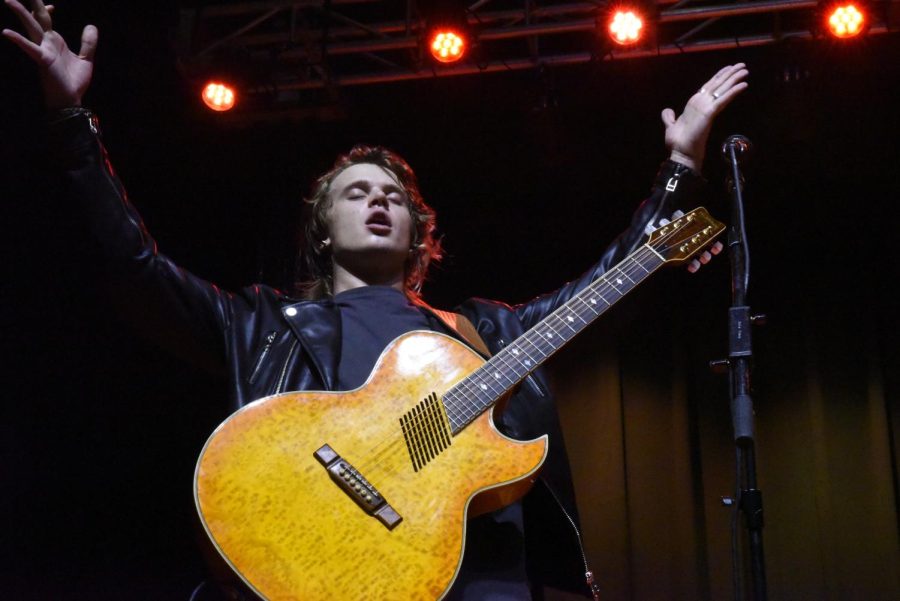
(447, 45)
(625, 25)
(845, 20)
(219, 96)
(448, 35)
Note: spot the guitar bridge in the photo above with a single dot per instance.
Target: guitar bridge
(357, 487)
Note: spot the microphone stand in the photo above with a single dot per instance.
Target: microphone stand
(736, 151)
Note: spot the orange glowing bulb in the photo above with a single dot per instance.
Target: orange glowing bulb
(218, 96)
(447, 46)
(625, 27)
(846, 21)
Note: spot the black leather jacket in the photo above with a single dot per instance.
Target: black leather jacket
(266, 342)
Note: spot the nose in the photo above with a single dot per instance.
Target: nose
(378, 197)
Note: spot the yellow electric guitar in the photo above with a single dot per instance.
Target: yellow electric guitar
(365, 494)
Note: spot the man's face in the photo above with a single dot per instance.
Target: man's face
(369, 223)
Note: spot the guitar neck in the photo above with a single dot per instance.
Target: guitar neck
(485, 386)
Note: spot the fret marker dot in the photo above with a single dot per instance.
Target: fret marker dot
(619, 281)
(549, 334)
(527, 361)
(593, 301)
(571, 319)
(497, 374)
(515, 351)
(484, 386)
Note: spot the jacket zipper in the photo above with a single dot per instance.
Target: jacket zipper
(284, 369)
(270, 338)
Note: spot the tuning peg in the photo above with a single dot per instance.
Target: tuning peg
(758, 320)
(652, 228)
(678, 214)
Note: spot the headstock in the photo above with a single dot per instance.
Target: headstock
(681, 239)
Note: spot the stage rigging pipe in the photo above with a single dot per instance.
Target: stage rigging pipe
(585, 24)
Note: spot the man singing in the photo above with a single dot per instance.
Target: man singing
(369, 240)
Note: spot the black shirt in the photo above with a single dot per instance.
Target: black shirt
(494, 560)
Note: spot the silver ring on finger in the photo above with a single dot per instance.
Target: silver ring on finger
(716, 95)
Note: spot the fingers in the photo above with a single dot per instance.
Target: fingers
(732, 79)
(725, 84)
(88, 43)
(668, 117)
(730, 87)
(704, 258)
(723, 74)
(42, 15)
(32, 27)
(710, 86)
(29, 47)
(695, 264)
(725, 98)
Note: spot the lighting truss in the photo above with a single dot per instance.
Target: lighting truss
(280, 48)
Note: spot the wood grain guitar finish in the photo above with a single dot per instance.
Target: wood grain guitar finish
(292, 533)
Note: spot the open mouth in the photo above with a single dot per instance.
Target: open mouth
(379, 223)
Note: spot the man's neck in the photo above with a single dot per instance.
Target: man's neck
(345, 279)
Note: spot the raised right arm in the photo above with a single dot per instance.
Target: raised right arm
(185, 314)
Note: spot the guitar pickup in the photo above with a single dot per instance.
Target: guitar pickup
(357, 487)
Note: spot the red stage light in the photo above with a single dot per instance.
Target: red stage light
(447, 45)
(626, 26)
(845, 20)
(219, 96)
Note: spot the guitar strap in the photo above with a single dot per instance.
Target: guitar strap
(463, 326)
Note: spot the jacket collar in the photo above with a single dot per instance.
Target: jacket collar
(318, 326)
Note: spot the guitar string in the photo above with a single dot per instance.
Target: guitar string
(391, 441)
(646, 251)
(642, 254)
(556, 318)
(375, 462)
(635, 269)
(531, 335)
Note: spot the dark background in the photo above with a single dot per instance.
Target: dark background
(99, 430)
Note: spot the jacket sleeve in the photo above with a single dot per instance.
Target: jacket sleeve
(183, 313)
(674, 186)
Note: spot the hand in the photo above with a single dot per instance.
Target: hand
(686, 136)
(65, 76)
(704, 257)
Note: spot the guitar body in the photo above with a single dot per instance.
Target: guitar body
(276, 515)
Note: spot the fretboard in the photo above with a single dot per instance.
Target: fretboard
(486, 385)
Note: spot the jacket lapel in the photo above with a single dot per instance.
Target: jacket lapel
(318, 326)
